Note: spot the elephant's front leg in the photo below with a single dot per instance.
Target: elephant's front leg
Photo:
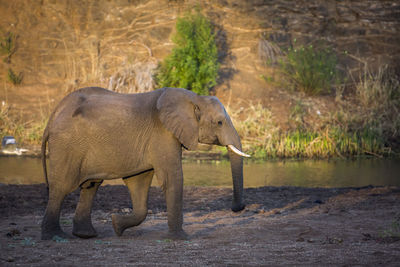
(173, 189)
(139, 189)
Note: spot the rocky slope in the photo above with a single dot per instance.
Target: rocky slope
(64, 45)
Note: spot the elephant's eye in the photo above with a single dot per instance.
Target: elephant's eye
(219, 123)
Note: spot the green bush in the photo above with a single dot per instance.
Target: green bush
(7, 46)
(311, 70)
(14, 78)
(193, 62)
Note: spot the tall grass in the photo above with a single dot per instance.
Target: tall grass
(255, 126)
(330, 142)
(371, 129)
(378, 95)
(134, 78)
(26, 133)
(379, 91)
(263, 139)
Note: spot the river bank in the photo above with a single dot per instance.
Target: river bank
(280, 226)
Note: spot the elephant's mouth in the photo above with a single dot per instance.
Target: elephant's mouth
(237, 151)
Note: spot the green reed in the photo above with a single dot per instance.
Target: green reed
(323, 144)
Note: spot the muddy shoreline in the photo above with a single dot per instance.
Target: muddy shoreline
(280, 226)
(203, 153)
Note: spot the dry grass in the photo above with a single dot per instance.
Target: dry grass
(255, 126)
(269, 52)
(90, 64)
(370, 125)
(378, 91)
(134, 78)
(379, 99)
(25, 132)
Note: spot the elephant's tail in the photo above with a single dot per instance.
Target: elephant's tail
(43, 153)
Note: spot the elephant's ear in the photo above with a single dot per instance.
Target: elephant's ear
(176, 108)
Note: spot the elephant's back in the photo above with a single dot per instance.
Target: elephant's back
(96, 110)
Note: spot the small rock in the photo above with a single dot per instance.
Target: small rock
(334, 240)
(126, 210)
(366, 236)
(13, 232)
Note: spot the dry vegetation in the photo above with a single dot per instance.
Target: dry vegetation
(367, 124)
(87, 45)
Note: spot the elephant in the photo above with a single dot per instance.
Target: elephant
(95, 134)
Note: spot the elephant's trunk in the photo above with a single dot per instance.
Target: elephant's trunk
(237, 176)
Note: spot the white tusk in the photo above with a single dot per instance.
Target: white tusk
(237, 151)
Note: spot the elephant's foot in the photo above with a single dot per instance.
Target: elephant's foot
(84, 230)
(177, 235)
(122, 222)
(238, 207)
(117, 224)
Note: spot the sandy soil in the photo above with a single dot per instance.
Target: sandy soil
(280, 226)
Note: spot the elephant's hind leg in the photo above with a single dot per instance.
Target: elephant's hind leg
(139, 189)
(82, 220)
(51, 220)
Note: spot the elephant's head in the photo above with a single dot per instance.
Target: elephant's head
(197, 119)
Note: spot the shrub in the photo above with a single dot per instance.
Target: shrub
(193, 62)
(14, 78)
(311, 70)
(7, 46)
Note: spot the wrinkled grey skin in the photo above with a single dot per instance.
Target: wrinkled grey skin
(95, 134)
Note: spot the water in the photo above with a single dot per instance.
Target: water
(307, 173)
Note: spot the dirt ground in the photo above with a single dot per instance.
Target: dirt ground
(280, 226)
